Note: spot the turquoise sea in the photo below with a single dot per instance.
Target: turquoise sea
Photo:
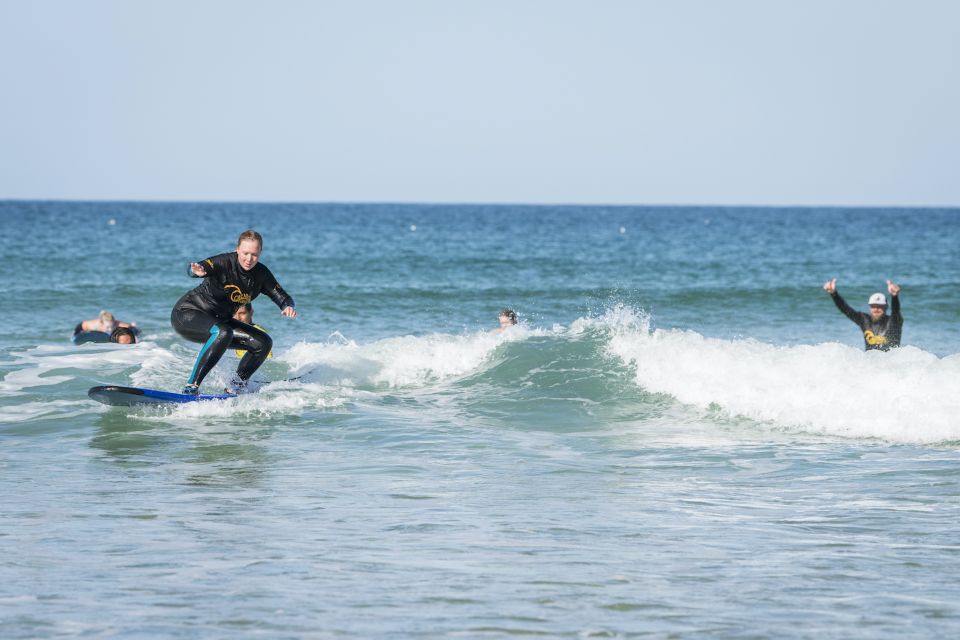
(683, 437)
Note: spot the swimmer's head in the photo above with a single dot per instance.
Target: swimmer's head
(107, 321)
(244, 313)
(508, 317)
(123, 335)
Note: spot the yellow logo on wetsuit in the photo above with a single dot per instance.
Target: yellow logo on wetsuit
(236, 295)
(873, 339)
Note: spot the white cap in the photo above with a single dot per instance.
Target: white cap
(878, 298)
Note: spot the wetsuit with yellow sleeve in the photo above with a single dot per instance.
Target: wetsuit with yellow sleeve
(205, 314)
(240, 352)
(882, 334)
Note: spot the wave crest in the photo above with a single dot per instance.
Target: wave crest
(397, 362)
(905, 395)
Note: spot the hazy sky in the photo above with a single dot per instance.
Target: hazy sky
(546, 101)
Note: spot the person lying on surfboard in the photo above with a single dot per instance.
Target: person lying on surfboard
(104, 323)
(205, 314)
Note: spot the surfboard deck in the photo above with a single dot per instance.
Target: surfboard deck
(117, 396)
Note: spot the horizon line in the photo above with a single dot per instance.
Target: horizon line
(451, 203)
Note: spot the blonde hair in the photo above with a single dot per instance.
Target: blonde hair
(250, 234)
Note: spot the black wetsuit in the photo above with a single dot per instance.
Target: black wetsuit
(205, 314)
(882, 334)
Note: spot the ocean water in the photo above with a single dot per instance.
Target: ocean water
(682, 438)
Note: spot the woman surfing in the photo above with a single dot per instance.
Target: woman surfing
(205, 314)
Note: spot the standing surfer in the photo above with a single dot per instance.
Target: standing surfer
(205, 314)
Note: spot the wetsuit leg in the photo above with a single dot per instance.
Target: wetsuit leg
(257, 343)
(198, 326)
(217, 337)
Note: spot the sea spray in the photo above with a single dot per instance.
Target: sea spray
(402, 361)
(905, 395)
(476, 484)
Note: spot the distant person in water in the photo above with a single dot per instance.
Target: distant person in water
(880, 331)
(123, 335)
(245, 315)
(508, 318)
(205, 314)
(104, 323)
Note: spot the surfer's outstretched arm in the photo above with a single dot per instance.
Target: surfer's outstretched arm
(830, 286)
(894, 290)
(846, 309)
(279, 295)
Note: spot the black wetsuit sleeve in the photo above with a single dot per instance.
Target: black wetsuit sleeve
(276, 293)
(895, 308)
(846, 309)
(209, 266)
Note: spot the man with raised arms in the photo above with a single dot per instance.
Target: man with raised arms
(880, 331)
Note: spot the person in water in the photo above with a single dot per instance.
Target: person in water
(508, 318)
(205, 314)
(104, 323)
(245, 315)
(123, 335)
(880, 331)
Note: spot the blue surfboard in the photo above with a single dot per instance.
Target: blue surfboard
(82, 337)
(117, 396)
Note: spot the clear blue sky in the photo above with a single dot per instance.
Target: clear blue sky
(547, 101)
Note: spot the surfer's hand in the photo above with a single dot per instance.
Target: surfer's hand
(197, 269)
(289, 312)
(894, 289)
(830, 286)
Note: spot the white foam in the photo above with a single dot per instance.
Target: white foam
(278, 399)
(905, 395)
(398, 362)
(36, 365)
(45, 410)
